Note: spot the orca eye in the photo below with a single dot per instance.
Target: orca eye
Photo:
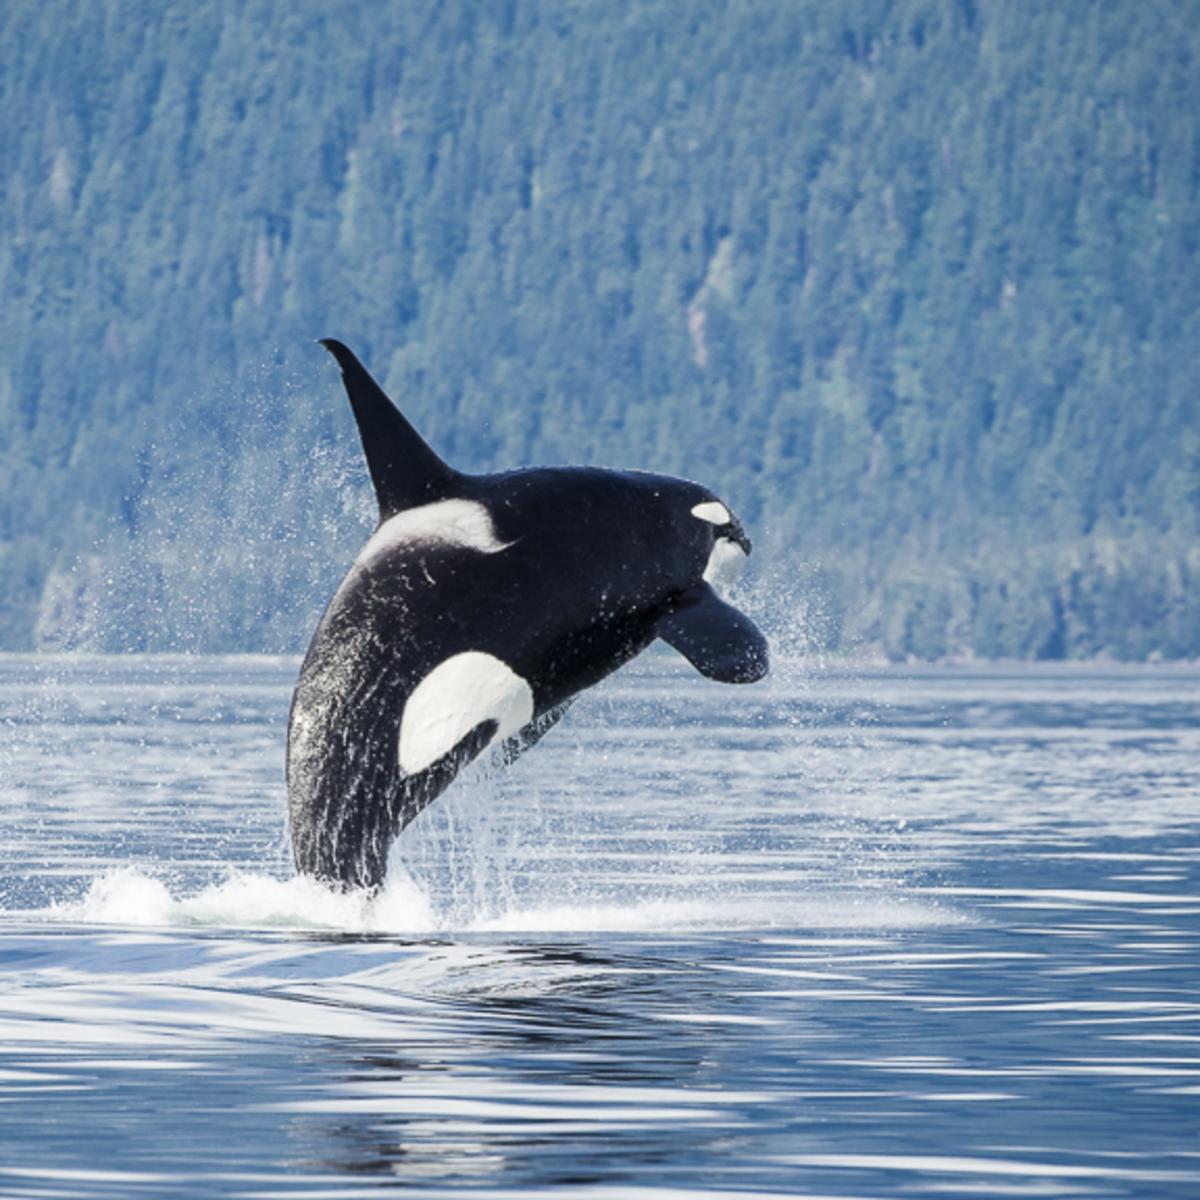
(712, 511)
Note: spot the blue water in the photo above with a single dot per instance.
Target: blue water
(931, 933)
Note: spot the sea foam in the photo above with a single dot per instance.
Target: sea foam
(129, 897)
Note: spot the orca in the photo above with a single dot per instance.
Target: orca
(477, 610)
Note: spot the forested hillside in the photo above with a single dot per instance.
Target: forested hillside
(914, 284)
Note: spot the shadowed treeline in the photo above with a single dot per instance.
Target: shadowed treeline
(913, 284)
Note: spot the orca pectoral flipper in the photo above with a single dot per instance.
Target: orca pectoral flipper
(720, 642)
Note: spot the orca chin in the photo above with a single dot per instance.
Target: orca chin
(478, 609)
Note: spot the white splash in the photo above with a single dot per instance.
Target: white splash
(131, 898)
(245, 901)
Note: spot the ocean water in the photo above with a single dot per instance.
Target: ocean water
(920, 933)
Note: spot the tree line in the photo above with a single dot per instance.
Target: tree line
(912, 283)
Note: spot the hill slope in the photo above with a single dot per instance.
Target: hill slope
(914, 284)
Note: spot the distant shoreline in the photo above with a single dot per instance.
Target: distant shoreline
(832, 663)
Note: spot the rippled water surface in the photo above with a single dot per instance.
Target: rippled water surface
(915, 934)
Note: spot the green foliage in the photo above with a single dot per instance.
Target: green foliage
(913, 284)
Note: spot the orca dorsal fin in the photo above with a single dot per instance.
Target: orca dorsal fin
(404, 469)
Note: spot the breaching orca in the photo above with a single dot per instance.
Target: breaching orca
(480, 606)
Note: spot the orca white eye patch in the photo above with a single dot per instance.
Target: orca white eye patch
(712, 511)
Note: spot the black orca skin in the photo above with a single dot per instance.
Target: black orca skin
(479, 608)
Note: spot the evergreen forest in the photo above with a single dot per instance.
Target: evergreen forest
(913, 284)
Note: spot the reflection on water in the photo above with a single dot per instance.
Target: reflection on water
(880, 936)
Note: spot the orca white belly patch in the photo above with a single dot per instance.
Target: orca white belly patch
(464, 523)
(452, 699)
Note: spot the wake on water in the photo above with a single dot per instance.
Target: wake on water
(129, 896)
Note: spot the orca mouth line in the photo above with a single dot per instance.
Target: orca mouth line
(738, 536)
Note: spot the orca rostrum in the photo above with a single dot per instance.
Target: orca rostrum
(477, 610)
